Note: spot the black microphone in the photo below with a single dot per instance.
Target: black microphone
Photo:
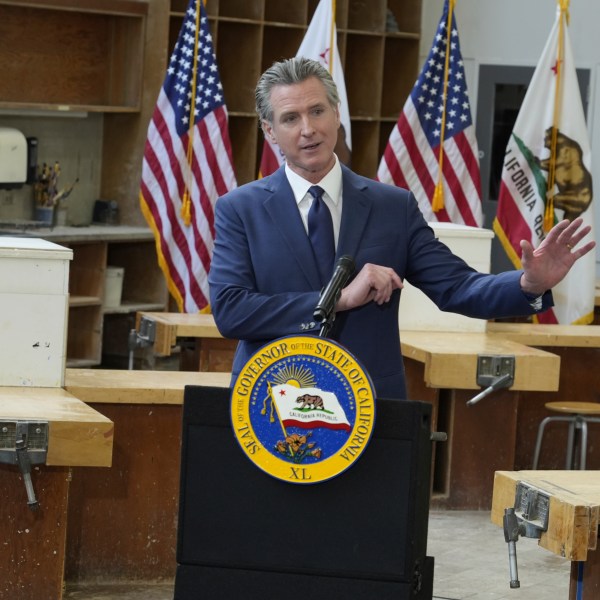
(344, 269)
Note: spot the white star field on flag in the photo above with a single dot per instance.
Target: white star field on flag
(428, 91)
(179, 80)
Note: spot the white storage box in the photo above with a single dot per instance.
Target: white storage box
(418, 312)
(34, 302)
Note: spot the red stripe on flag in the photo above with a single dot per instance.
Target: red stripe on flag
(464, 175)
(314, 424)
(268, 162)
(201, 205)
(462, 204)
(471, 161)
(178, 237)
(220, 115)
(418, 161)
(164, 247)
(547, 317)
(414, 155)
(458, 192)
(394, 167)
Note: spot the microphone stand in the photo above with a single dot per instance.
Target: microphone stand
(327, 324)
(325, 308)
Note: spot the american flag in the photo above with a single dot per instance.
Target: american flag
(187, 162)
(412, 157)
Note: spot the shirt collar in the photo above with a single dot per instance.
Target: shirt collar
(331, 183)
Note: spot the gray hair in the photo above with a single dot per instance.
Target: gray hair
(289, 72)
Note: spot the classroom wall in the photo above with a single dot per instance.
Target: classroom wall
(76, 142)
(514, 32)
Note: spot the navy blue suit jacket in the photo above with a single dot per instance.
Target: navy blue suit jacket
(264, 281)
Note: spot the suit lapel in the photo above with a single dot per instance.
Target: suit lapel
(281, 206)
(355, 213)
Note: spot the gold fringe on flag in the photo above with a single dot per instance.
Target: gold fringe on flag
(186, 202)
(549, 209)
(437, 202)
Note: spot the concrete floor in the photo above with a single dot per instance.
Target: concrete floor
(471, 563)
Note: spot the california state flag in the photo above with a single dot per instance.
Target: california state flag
(319, 43)
(308, 408)
(546, 175)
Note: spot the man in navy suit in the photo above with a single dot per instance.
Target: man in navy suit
(264, 278)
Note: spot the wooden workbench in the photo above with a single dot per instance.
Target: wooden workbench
(32, 555)
(134, 505)
(170, 326)
(552, 363)
(572, 520)
(105, 386)
(447, 356)
(498, 433)
(212, 352)
(565, 336)
(506, 420)
(441, 368)
(450, 359)
(78, 434)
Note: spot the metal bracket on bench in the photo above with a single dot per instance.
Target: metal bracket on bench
(24, 443)
(142, 338)
(494, 371)
(528, 518)
(532, 506)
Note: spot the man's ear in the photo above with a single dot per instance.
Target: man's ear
(268, 131)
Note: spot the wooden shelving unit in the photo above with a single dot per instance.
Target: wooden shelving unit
(93, 329)
(109, 56)
(64, 55)
(380, 65)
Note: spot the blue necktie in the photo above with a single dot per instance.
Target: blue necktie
(320, 232)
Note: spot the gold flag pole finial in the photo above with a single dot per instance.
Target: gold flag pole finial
(437, 202)
(564, 8)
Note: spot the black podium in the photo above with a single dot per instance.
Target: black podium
(361, 535)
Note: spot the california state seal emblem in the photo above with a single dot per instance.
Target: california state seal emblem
(303, 409)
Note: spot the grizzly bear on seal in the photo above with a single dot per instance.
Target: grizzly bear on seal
(312, 402)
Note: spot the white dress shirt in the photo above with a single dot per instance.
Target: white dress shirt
(331, 184)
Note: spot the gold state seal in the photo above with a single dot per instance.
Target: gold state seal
(303, 409)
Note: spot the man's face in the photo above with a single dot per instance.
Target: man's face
(305, 126)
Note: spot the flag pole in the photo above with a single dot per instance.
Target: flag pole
(273, 403)
(549, 208)
(331, 40)
(437, 202)
(186, 204)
